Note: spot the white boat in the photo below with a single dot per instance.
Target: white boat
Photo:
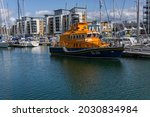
(3, 21)
(32, 43)
(128, 41)
(3, 44)
(25, 42)
(122, 41)
(28, 44)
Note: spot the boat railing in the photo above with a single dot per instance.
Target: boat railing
(138, 49)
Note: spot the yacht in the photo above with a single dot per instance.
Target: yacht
(3, 44)
(31, 42)
(24, 42)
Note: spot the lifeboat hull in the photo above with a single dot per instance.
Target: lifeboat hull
(85, 52)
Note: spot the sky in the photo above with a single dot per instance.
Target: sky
(41, 7)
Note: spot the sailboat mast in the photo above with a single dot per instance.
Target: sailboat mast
(138, 20)
(100, 9)
(18, 5)
(114, 25)
(114, 9)
(23, 20)
(8, 20)
(4, 19)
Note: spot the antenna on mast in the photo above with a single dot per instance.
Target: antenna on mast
(66, 5)
(138, 20)
(76, 4)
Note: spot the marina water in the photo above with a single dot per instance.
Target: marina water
(31, 73)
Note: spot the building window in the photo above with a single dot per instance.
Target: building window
(57, 24)
(89, 35)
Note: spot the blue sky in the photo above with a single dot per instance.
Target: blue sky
(39, 7)
(35, 5)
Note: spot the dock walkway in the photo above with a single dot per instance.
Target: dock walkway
(137, 52)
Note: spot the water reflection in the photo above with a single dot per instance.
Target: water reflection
(45, 77)
(5, 62)
(84, 75)
(33, 50)
(31, 73)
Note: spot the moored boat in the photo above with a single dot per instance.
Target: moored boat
(3, 44)
(32, 43)
(24, 43)
(81, 42)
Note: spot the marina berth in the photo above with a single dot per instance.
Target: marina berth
(24, 42)
(81, 42)
(137, 51)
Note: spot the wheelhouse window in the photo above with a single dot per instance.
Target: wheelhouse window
(89, 35)
(93, 35)
(77, 36)
(96, 35)
(83, 36)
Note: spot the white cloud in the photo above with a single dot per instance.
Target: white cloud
(5, 17)
(43, 12)
(4, 13)
(28, 14)
(93, 15)
(12, 20)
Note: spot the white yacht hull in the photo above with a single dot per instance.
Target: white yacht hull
(32, 43)
(27, 44)
(3, 44)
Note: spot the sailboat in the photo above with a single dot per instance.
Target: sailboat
(3, 44)
(24, 41)
(140, 50)
(3, 38)
(28, 41)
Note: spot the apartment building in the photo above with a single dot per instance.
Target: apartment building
(54, 24)
(77, 14)
(59, 23)
(29, 26)
(49, 28)
(36, 26)
(146, 16)
(61, 20)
